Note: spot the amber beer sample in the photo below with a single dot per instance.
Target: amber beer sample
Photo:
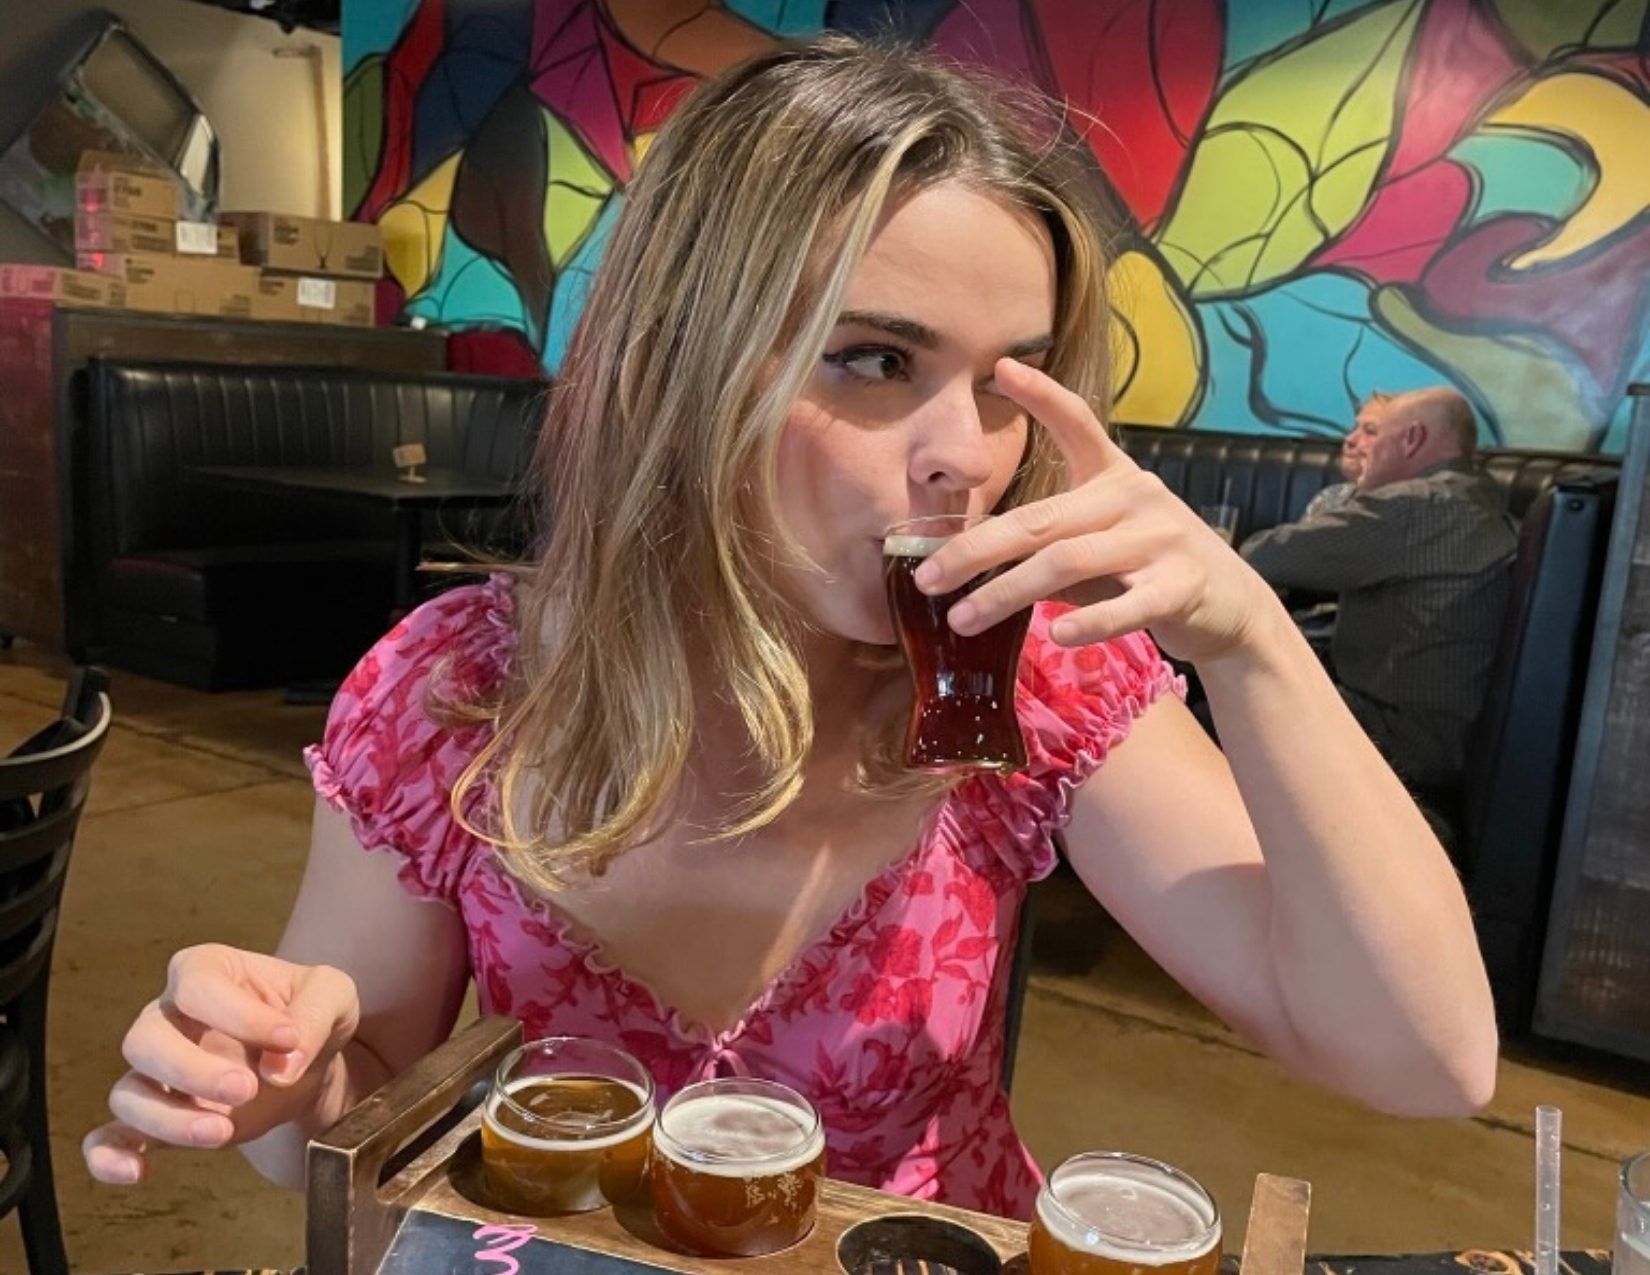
(1107, 1213)
(963, 715)
(566, 1128)
(736, 1167)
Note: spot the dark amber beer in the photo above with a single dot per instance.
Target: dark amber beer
(1107, 1213)
(963, 715)
(736, 1167)
(566, 1128)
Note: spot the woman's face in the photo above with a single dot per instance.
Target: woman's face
(901, 417)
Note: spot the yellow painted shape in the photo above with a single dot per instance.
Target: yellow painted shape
(1157, 351)
(414, 226)
(1613, 123)
(579, 185)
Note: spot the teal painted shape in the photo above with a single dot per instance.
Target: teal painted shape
(1256, 27)
(782, 17)
(469, 290)
(1258, 381)
(373, 26)
(1523, 173)
(573, 284)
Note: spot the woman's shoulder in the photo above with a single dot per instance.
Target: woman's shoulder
(399, 735)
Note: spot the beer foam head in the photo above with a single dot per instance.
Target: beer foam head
(1130, 1211)
(912, 546)
(736, 1134)
(590, 1129)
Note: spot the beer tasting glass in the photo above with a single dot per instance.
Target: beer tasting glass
(1107, 1213)
(736, 1167)
(566, 1128)
(1633, 1218)
(963, 715)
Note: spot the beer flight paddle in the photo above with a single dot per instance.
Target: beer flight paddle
(398, 1187)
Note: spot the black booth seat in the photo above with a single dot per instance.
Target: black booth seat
(213, 587)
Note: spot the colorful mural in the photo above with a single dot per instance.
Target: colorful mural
(1325, 197)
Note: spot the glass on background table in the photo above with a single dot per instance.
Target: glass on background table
(1632, 1254)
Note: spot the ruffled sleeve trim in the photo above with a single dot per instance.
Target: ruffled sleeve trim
(1075, 705)
(387, 762)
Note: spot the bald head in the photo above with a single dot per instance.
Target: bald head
(1403, 435)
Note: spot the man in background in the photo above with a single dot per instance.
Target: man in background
(1420, 556)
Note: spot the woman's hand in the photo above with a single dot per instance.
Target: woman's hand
(1122, 547)
(236, 1045)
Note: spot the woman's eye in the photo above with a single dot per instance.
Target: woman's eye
(872, 363)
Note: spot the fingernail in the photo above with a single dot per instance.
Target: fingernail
(126, 1172)
(962, 616)
(926, 575)
(207, 1130)
(288, 1070)
(236, 1089)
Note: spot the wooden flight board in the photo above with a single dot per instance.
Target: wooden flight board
(395, 1188)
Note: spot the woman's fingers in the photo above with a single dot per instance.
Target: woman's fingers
(207, 985)
(162, 1116)
(160, 1046)
(1069, 420)
(1102, 560)
(116, 1153)
(1134, 609)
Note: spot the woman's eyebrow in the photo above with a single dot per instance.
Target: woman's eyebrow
(921, 334)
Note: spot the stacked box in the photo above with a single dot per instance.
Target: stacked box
(308, 299)
(107, 182)
(179, 285)
(286, 244)
(65, 287)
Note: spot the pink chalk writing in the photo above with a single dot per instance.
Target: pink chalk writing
(499, 1242)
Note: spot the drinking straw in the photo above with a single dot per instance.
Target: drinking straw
(1548, 1122)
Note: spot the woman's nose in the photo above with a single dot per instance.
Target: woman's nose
(949, 452)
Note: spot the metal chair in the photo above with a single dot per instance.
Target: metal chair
(43, 786)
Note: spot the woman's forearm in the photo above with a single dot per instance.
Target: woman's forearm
(1370, 934)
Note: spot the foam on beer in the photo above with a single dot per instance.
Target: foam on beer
(568, 1120)
(1105, 1210)
(912, 546)
(734, 1135)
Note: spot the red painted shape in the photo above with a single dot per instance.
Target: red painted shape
(1145, 70)
(1405, 225)
(409, 62)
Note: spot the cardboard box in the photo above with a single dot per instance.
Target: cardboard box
(66, 287)
(304, 245)
(180, 285)
(207, 239)
(123, 232)
(285, 298)
(108, 182)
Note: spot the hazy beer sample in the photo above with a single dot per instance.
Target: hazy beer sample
(1114, 1214)
(566, 1128)
(736, 1167)
(963, 716)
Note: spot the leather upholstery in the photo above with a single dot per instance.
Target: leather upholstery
(1521, 747)
(1271, 479)
(218, 587)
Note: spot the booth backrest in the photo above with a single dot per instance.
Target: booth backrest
(150, 424)
(1271, 478)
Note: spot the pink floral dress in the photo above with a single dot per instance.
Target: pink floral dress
(891, 1021)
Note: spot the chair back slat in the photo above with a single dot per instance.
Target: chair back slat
(18, 972)
(21, 848)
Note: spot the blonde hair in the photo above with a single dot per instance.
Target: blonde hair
(713, 303)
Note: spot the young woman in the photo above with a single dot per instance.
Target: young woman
(639, 790)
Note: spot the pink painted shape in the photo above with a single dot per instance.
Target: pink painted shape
(1592, 303)
(1458, 64)
(571, 78)
(990, 33)
(1402, 230)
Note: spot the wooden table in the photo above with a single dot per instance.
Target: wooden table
(384, 488)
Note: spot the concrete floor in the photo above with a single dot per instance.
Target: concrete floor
(196, 831)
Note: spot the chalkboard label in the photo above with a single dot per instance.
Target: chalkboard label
(432, 1244)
